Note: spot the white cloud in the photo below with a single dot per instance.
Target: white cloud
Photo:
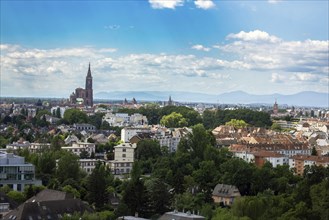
(255, 35)
(107, 50)
(277, 78)
(305, 77)
(204, 4)
(200, 47)
(261, 51)
(274, 1)
(171, 4)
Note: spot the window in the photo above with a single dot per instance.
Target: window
(123, 155)
(124, 150)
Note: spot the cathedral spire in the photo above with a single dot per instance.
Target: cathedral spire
(89, 72)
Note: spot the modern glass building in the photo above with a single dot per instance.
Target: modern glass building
(15, 173)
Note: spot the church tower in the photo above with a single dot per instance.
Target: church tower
(275, 108)
(89, 89)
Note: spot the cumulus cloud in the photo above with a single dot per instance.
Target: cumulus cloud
(204, 4)
(255, 35)
(262, 51)
(200, 47)
(277, 78)
(305, 77)
(171, 4)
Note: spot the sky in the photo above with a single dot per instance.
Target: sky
(204, 46)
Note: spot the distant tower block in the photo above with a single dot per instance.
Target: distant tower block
(275, 108)
(89, 89)
(170, 102)
(134, 102)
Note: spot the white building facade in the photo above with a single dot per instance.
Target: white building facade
(127, 133)
(78, 148)
(123, 119)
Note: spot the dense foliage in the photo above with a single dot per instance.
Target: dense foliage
(212, 119)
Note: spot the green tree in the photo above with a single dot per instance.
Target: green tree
(320, 199)
(237, 123)
(134, 194)
(237, 172)
(58, 113)
(96, 185)
(18, 197)
(147, 149)
(276, 127)
(173, 120)
(158, 196)
(75, 116)
(96, 120)
(56, 143)
(71, 190)
(46, 166)
(205, 177)
(68, 167)
(196, 142)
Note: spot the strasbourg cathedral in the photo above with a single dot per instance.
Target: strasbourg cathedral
(84, 96)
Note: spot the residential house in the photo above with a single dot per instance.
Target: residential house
(128, 132)
(70, 139)
(84, 127)
(225, 194)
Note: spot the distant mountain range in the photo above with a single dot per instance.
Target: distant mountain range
(306, 98)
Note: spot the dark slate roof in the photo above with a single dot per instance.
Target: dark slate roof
(43, 207)
(224, 190)
(49, 194)
(180, 216)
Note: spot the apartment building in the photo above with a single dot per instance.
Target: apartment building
(15, 173)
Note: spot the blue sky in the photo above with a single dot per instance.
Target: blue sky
(213, 47)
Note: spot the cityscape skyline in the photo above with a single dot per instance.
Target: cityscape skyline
(211, 47)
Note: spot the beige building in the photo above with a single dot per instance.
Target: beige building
(123, 158)
(298, 162)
